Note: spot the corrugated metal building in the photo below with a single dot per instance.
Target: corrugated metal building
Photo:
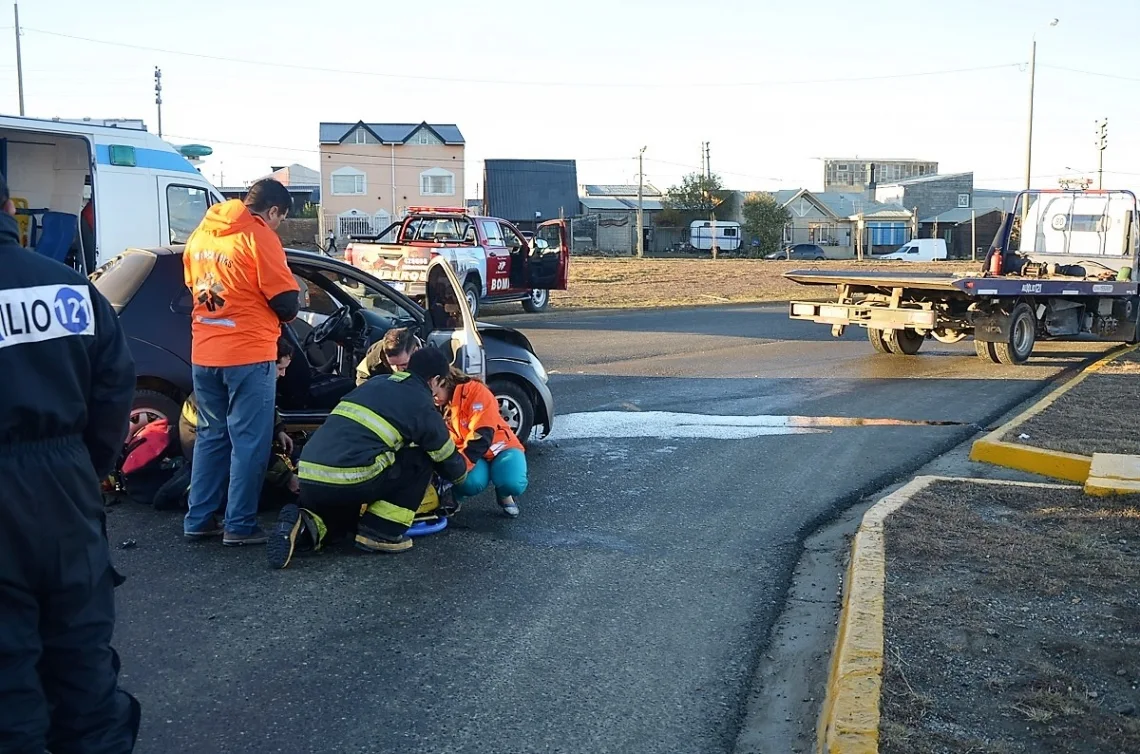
(528, 192)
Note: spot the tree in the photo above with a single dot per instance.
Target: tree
(698, 196)
(764, 220)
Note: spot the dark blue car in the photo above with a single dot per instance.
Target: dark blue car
(343, 311)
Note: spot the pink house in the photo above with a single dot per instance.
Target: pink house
(372, 172)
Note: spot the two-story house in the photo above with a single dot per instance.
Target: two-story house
(372, 172)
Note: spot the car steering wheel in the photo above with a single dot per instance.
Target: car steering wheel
(331, 326)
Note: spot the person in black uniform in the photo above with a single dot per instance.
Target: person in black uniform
(68, 385)
(368, 467)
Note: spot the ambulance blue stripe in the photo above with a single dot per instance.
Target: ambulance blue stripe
(155, 159)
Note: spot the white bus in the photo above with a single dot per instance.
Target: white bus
(84, 192)
(702, 233)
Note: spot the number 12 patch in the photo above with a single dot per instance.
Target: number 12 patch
(45, 312)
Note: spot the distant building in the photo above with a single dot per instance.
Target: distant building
(855, 174)
(372, 172)
(610, 218)
(529, 192)
(304, 185)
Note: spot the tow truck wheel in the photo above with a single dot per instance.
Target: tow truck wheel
(904, 342)
(878, 340)
(1018, 344)
(985, 351)
(948, 336)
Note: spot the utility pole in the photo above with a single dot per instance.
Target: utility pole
(1101, 144)
(973, 235)
(1032, 83)
(708, 190)
(158, 96)
(19, 59)
(640, 191)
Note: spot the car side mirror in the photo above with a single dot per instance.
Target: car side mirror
(541, 244)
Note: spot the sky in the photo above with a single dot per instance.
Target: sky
(772, 86)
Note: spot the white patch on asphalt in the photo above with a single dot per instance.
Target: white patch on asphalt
(669, 425)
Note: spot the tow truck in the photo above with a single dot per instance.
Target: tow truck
(1062, 266)
(490, 256)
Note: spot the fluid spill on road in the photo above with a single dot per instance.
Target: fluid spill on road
(669, 425)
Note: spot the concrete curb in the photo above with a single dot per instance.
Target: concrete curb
(1051, 463)
(849, 720)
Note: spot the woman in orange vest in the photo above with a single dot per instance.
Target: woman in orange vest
(493, 452)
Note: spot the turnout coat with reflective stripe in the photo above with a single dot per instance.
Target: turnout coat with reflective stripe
(359, 440)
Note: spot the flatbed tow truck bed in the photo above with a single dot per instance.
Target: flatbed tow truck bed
(967, 285)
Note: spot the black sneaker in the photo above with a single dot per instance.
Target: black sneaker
(213, 529)
(373, 543)
(256, 537)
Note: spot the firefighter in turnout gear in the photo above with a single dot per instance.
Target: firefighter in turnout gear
(69, 380)
(369, 465)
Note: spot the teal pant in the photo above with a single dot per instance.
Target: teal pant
(507, 472)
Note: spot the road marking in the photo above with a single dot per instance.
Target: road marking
(669, 424)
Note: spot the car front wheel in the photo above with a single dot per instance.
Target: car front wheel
(515, 406)
(150, 406)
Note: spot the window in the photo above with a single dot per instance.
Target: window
(493, 233)
(185, 208)
(963, 201)
(730, 232)
(437, 182)
(360, 137)
(425, 137)
(887, 234)
(348, 182)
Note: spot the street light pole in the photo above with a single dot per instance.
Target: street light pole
(1032, 83)
(19, 59)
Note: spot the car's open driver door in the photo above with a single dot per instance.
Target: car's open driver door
(451, 327)
(547, 265)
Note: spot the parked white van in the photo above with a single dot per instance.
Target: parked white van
(702, 232)
(85, 192)
(918, 250)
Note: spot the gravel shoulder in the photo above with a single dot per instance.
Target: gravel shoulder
(1096, 416)
(634, 283)
(1012, 622)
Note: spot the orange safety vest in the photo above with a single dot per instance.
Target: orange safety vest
(473, 407)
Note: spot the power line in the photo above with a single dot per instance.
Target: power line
(1116, 76)
(602, 84)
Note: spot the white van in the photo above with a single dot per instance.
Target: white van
(65, 177)
(918, 250)
(702, 232)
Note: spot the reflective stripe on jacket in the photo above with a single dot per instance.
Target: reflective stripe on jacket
(359, 440)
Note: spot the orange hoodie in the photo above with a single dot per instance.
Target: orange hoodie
(234, 264)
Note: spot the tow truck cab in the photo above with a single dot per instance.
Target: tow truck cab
(490, 256)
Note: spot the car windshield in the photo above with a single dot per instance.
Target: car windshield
(453, 229)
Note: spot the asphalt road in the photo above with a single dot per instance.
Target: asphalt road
(623, 612)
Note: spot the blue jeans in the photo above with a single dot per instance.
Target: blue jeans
(507, 472)
(235, 435)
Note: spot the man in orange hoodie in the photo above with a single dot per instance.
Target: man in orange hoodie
(243, 290)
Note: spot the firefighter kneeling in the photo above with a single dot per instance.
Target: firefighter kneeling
(367, 468)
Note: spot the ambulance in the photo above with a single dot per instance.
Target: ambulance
(87, 190)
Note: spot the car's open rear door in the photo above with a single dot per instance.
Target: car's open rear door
(452, 328)
(548, 264)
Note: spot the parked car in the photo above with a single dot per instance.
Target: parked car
(493, 260)
(344, 311)
(799, 251)
(918, 250)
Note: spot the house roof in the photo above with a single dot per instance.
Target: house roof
(620, 204)
(516, 189)
(390, 133)
(959, 215)
(925, 179)
(847, 204)
(593, 189)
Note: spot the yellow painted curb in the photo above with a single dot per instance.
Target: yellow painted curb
(849, 720)
(1113, 474)
(1052, 463)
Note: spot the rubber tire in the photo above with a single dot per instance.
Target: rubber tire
(515, 392)
(1005, 351)
(904, 342)
(985, 351)
(157, 403)
(473, 294)
(533, 308)
(878, 340)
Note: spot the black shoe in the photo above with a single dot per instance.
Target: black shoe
(283, 540)
(373, 543)
(256, 537)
